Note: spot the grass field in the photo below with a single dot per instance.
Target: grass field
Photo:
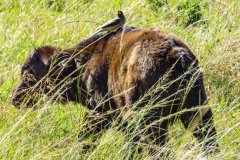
(51, 131)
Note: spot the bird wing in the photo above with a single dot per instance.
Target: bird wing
(111, 23)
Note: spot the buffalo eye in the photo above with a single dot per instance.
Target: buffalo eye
(25, 67)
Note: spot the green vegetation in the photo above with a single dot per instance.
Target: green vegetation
(191, 11)
(51, 131)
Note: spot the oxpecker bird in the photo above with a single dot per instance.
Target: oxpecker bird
(113, 24)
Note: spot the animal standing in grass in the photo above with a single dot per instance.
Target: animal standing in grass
(151, 71)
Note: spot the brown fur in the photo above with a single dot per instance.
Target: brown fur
(121, 68)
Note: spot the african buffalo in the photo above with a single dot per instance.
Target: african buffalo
(121, 73)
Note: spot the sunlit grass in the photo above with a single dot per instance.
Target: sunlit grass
(51, 131)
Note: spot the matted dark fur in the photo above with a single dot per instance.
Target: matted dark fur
(116, 71)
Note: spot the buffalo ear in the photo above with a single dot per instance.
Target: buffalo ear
(45, 53)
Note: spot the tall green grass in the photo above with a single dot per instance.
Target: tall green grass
(51, 131)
